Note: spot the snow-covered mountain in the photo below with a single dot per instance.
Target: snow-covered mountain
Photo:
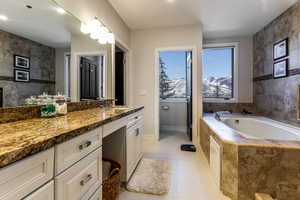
(178, 87)
(212, 87)
(217, 86)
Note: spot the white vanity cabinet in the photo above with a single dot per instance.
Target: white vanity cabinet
(97, 195)
(134, 142)
(23, 177)
(73, 170)
(44, 193)
(81, 180)
(67, 153)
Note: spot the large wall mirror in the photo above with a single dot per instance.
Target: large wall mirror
(42, 50)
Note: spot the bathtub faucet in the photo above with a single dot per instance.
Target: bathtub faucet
(217, 115)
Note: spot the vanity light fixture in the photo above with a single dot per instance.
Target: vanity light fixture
(102, 40)
(94, 26)
(111, 38)
(84, 28)
(60, 10)
(3, 18)
(97, 31)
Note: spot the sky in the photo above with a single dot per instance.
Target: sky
(217, 62)
(175, 63)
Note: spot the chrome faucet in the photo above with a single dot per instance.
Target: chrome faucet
(217, 115)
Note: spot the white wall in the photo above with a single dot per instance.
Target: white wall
(83, 45)
(144, 44)
(245, 67)
(86, 10)
(170, 120)
(60, 69)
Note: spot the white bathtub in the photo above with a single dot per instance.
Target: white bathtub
(263, 128)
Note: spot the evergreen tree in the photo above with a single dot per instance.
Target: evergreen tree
(164, 83)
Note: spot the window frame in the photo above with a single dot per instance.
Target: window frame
(235, 46)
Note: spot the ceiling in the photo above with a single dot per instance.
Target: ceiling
(42, 23)
(220, 18)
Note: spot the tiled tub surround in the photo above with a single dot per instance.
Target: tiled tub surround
(277, 98)
(23, 138)
(42, 69)
(233, 107)
(250, 166)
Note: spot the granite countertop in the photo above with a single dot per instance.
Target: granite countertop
(229, 135)
(23, 138)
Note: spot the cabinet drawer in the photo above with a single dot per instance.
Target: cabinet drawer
(23, 177)
(44, 193)
(134, 119)
(97, 195)
(113, 126)
(81, 180)
(68, 153)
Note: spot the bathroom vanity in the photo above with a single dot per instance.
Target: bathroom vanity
(61, 158)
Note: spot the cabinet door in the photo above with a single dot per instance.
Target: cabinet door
(140, 138)
(131, 141)
(23, 177)
(44, 193)
(215, 160)
(81, 180)
(97, 195)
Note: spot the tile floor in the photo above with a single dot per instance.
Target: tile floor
(191, 178)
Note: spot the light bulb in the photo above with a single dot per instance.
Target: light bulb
(95, 34)
(111, 38)
(3, 18)
(60, 10)
(102, 40)
(84, 28)
(104, 30)
(94, 24)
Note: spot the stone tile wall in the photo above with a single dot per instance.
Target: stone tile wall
(233, 107)
(42, 70)
(276, 98)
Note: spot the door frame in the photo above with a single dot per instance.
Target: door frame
(77, 56)
(127, 73)
(195, 84)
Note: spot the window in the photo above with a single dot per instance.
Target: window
(220, 73)
(173, 74)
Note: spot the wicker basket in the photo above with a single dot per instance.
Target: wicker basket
(111, 186)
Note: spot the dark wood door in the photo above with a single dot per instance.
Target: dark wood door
(119, 78)
(89, 79)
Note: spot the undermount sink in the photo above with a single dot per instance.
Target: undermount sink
(120, 108)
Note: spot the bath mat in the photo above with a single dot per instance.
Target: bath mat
(151, 177)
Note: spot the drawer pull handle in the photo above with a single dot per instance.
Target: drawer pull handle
(86, 179)
(137, 132)
(85, 145)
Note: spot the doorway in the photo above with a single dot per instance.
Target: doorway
(175, 94)
(120, 63)
(91, 77)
